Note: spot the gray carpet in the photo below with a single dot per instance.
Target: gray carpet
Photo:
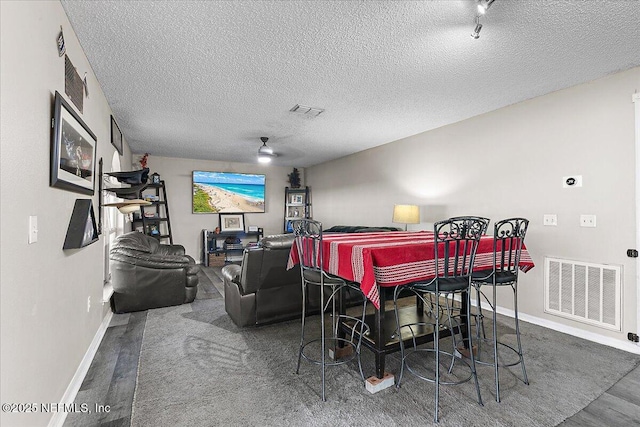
(198, 369)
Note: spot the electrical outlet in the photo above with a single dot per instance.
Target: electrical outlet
(587, 220)
(550, 219)
(88, 304)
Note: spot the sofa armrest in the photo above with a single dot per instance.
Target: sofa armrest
(278, 241)
(193, 269)
(231, 273)
(170, 250)
(144, 259)
(140, 288)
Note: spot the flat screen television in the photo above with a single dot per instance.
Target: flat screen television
(227, 192)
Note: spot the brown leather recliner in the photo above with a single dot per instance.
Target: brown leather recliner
(262, 290)
(146, 274)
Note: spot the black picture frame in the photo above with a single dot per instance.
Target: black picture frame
(73, 150)
(116, 135)
(82, 229)
(100, 196)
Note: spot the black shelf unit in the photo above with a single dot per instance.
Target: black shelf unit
(210, 241)
(158, 225)
(297, 205)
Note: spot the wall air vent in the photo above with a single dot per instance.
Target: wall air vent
(310, 112)
(586, 292)
(73, 84)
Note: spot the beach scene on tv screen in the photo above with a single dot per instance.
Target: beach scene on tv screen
(227, 192)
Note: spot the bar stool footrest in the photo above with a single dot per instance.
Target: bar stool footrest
(345, 354)
(443, 370)
(485, 355)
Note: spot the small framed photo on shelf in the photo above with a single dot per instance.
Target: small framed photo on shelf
(231, 222)
(253, 228)
(297, 199)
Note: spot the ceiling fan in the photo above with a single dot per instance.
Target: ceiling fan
(265, 153)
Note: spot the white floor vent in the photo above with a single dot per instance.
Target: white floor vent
(583, 291)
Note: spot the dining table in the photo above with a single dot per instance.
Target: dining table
(381, 261)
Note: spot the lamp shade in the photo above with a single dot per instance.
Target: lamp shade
(406, 214)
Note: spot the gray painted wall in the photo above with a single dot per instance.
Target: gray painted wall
(510, 162)
(46, 327)
(187, 227)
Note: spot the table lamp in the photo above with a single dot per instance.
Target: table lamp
(406, 214)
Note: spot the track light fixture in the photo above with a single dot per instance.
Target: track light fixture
(265, 153)
(476, 31)
(483, 6)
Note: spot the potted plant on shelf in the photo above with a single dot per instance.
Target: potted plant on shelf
(294, 178)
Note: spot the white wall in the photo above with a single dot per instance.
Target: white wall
(510, 162)
(46, 327)
(187, 227)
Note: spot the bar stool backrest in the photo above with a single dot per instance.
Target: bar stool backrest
(308, 242)
(508, 239)
(487, 220)
(456, 243)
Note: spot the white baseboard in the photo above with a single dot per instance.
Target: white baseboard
(58, 418)
(576, 332)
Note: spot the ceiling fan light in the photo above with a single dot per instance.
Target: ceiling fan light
(265, 153)
(264, 159)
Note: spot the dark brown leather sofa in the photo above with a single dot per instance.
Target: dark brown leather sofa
(146, 274)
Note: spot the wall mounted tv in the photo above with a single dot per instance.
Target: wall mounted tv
(227, 192)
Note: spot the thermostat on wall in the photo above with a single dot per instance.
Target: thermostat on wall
(572, 181)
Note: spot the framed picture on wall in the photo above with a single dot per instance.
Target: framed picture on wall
(231, 222)
(116, 136)
(73, 150)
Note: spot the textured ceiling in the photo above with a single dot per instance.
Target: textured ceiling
(206, 79)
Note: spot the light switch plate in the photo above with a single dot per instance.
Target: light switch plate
(33, 229)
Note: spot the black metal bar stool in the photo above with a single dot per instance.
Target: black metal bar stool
(508, 239)
(336, 348)
(455, 244)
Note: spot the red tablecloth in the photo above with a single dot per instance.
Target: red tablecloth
(390, 258)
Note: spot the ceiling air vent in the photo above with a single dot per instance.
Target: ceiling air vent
(306, 111)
